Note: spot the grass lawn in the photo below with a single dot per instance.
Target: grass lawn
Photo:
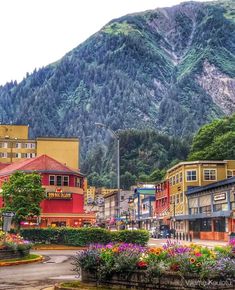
(26, 258)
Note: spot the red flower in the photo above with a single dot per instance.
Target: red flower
(142, 264)
(175, 267)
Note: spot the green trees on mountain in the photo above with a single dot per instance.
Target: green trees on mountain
(144, 156)
(215, 141)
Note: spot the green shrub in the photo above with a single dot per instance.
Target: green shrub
(83, 236)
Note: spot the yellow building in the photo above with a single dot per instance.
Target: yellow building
(189, 174)
(89, 195)
(15, 145)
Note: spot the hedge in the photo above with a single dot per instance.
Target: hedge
(83, 236)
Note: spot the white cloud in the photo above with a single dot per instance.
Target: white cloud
(35, 33)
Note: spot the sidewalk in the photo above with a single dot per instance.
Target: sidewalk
(206, 243)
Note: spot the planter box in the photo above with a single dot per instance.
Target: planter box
(168, 281)
(6, 254)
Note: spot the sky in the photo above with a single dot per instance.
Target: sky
(35, 33)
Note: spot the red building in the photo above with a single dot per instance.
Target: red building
(162, 204)
(64, 200)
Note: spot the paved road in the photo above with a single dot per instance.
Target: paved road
(37, 276)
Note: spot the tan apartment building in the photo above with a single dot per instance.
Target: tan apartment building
(15, 145)
(187, 175)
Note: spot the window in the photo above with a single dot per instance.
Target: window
(229, 173)
(18, 145)
(193, 210)
(173, 180)
(209, 174)
(52, 179)
(170, 181)
(177, 198)
(219, 225)
(3, 154)
(205, 209)
(58, 180)
(181, 197)
(177, 178)
(206, 225)
(122, 197)
(29, 155)
(77, 182)
(191, 175)
(65, 181)
(17, 155)
(181, 177)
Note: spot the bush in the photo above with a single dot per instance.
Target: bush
(83, 236)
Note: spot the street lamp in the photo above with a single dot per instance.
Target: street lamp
(115, 136)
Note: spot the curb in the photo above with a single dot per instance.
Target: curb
(58, 248)
(38, 259)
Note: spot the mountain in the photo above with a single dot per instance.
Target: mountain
(169, 69)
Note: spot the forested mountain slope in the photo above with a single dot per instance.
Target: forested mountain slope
(170, 69)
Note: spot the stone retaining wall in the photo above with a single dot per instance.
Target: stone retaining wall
(6, 254)
(168, 281)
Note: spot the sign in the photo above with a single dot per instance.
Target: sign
(7, 219)
(59, 195)
(220, 196)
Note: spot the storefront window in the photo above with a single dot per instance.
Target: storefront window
(206, 225)
(219, 225)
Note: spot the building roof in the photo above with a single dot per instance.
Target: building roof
(223, 182)
(42, 163)
(197, 162)
(3, 165)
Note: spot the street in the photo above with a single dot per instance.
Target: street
(56, 267)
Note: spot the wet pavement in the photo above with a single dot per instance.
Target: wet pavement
(55, 268)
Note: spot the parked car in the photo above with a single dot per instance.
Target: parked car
(162, 232)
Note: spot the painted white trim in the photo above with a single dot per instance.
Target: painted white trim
(213, 180)
(189, 170)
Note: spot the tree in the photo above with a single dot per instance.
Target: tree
(215, 141)
(22, 194)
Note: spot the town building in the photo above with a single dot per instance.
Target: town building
(162, 203)
(211, 210)
(186, 175)
(16, 145)
(144, 205)
(64, 196)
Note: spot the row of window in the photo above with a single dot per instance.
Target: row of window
(177, 198)
(16, 155)
(63, 180)
(191, 175)
(17, 145)
(176, 179)
(207, 209)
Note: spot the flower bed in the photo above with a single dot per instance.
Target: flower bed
(173, 266)
(13, 246)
